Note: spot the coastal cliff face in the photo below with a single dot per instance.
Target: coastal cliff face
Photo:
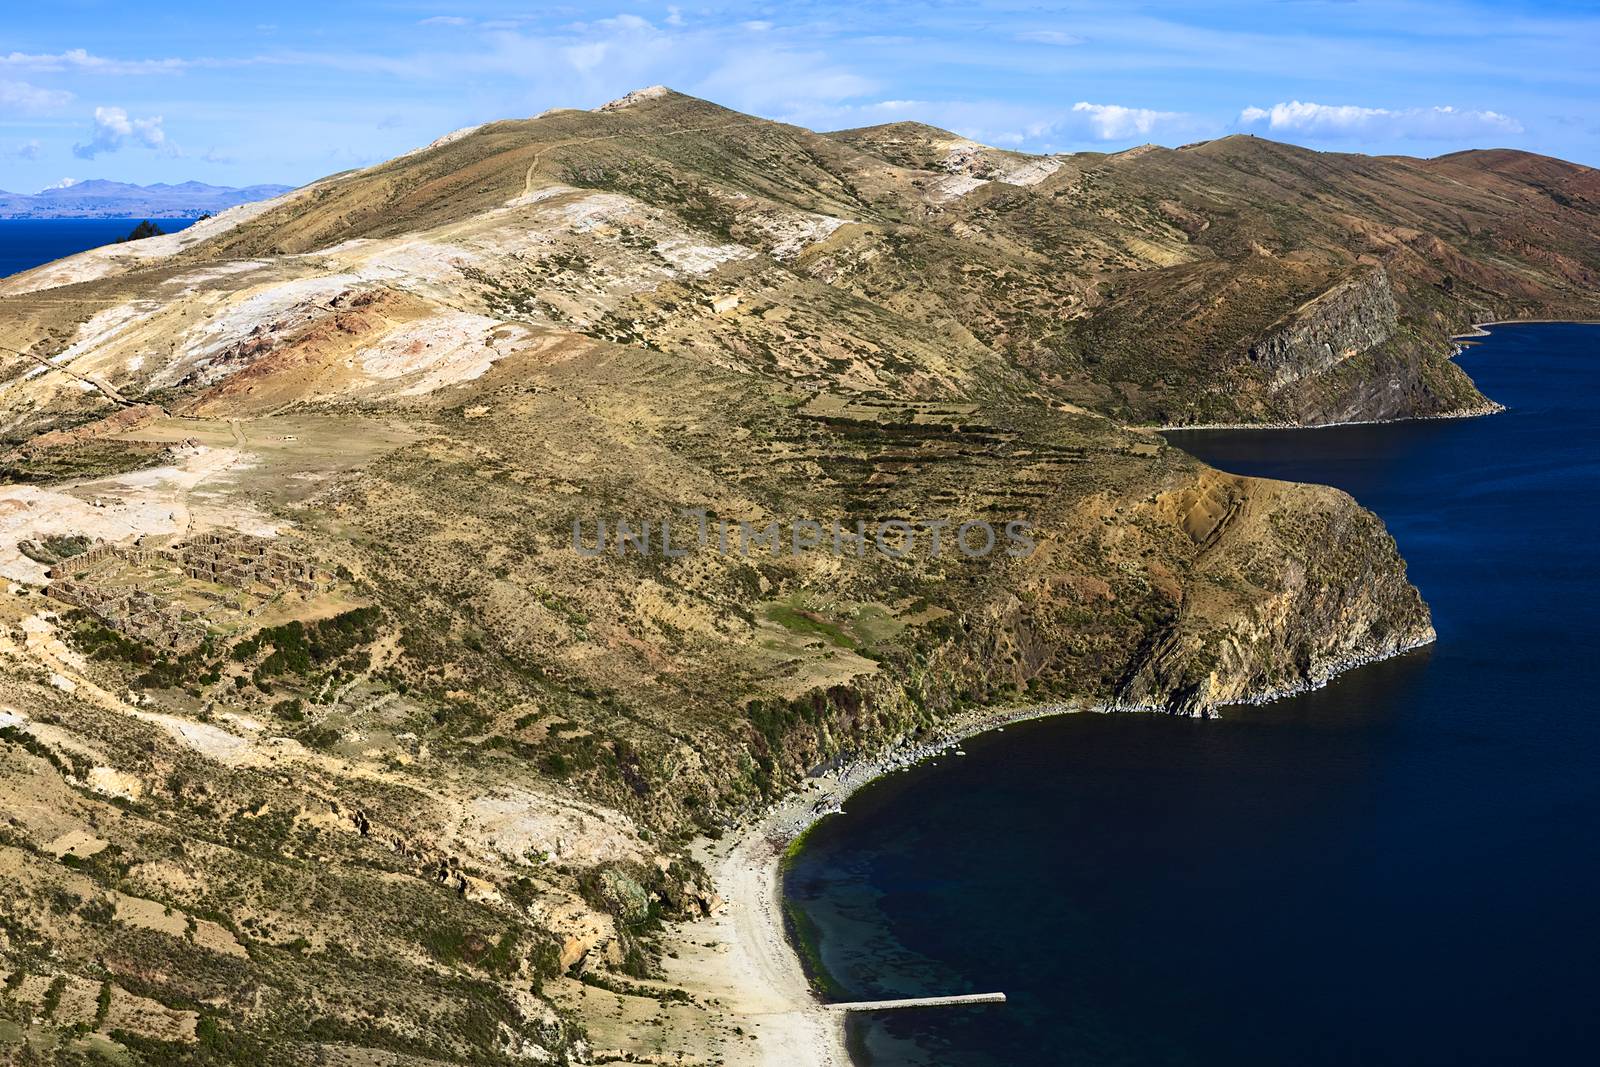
(431, 747)
(1344, 356)
(1404, 378)
(1304, 583)
(1353, 317)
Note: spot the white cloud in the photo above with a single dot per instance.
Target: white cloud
(20, 96)
(27, 150)
(584, 64)
(78, 59)
(779, 82)
(1055, 37)
(1348, 120)
(64, 183)
(626, 23)
(1113, 122)
(586, 57)
(444, 20)
(113, 128)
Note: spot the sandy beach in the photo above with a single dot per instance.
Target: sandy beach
(740, 958)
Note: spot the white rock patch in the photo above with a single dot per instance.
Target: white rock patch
(286, 305)
(952, 187)
(444, 349)
(793, 232)
(516, 824)
(638, 96)
(1032, 172)
(103, 328)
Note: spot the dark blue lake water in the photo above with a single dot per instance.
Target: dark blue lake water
(26, 243)
(1402, 868)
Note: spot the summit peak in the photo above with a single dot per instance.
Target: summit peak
(638, 96)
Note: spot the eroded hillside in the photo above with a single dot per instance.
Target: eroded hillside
(323, 743)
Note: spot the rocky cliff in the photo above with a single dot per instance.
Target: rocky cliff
(1353, 317)
(1330, 593)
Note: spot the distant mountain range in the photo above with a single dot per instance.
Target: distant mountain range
(100, 199)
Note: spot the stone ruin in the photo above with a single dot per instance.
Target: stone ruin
(135, 613)
(254, 565)
(245, 562)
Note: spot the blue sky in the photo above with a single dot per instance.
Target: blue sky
(285, 92)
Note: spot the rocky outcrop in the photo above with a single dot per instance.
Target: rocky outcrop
(1351, 355)
(638, 96)
(1405, 378)
(1294, 584)
(1354, 316)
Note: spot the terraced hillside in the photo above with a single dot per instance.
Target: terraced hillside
(438, 802)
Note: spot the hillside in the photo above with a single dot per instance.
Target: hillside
(323, 742)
